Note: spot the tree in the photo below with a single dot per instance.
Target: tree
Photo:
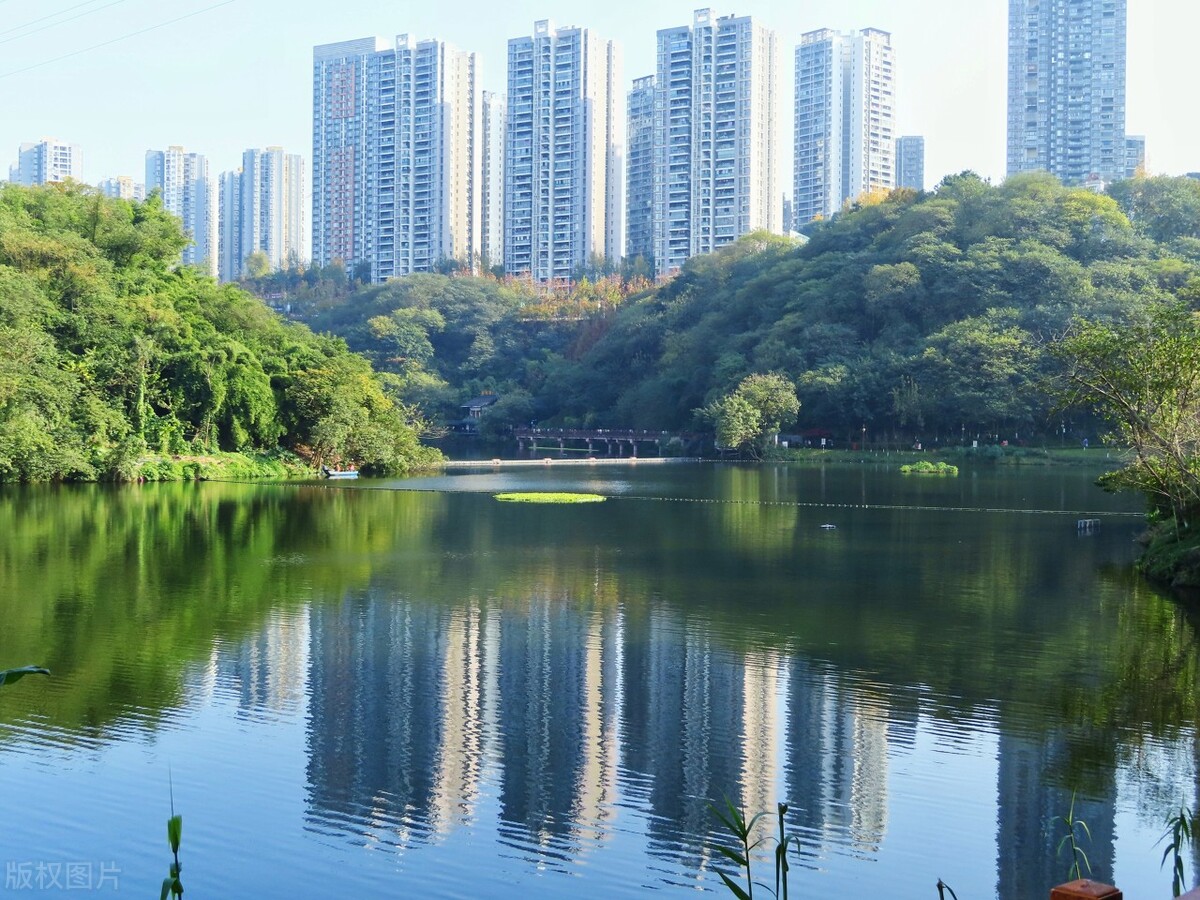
(257, 265)
(1161, 208)
(749, 418)
(1144, 377)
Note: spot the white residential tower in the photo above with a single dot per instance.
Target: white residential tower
(563, 157)
(716, 157)
(845, 143)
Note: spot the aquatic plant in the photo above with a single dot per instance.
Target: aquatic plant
(925, 467)
(735, 822)
(1181, 829)
(549, 497)
(171, 885)
(1071, 839)
(742, 831)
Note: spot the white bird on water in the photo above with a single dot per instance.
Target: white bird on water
(828, 527)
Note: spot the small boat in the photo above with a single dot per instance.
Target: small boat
(338, 473)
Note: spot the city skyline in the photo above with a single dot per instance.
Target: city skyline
(962, 118)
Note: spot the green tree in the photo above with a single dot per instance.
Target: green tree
(257, 265)
(1144, 377)
(1161, 208)
(113, 351)
(750, 418)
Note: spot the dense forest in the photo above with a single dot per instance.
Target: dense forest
(114, 354)
(920, 315)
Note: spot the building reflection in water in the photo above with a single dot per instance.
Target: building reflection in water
(547, 720)
(837, 761)
(1031, 805)
(266, 673)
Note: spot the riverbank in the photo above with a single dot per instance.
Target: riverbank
(1100, 458)
(1171, 557)
(277, 466)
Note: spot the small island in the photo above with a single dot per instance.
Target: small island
(549, 497)
(925, 467)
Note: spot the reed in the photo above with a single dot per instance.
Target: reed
(171, 885)
(1181, 829)
(1070, 839)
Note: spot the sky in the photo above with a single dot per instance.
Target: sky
(120, 77)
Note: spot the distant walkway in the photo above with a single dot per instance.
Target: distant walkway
(615, 442)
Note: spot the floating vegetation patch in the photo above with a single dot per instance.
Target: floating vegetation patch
(924, 467)
(550, 497)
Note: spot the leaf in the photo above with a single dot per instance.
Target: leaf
(737, 890)
(166, 888)
(11, 676)
(175, 832)
(732, 855)
(1086, 862)
(738, 817)
(729, 826)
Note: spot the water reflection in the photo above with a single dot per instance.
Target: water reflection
(570, 712)
(1031, 801)
(553, 688)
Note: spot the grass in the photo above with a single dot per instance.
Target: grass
(224, 467)
(550, 497)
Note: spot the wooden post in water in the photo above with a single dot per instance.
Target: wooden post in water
(1085, 889)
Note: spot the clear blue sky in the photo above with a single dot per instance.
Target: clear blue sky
(239, 75)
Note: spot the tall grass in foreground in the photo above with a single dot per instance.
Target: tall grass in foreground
(1181, 829)
(1070, 839)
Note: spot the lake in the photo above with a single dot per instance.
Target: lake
(395, 688)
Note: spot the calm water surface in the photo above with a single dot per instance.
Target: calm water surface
(392, 688)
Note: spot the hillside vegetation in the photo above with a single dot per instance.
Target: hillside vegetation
(921, 315)
(113, 354)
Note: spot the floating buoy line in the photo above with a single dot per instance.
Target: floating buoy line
(812, 504)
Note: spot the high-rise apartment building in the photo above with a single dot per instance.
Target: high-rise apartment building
(910, 162)
(1066, 88)
(1135, 155)
(230, 260)
(639, 170)
(122, 187)
(341, 219)
(716, 156)
(182, 180)
(262, 210)
(495, 116)
(45, 161)
(397, 155)
(845, 120)
(563, 154)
